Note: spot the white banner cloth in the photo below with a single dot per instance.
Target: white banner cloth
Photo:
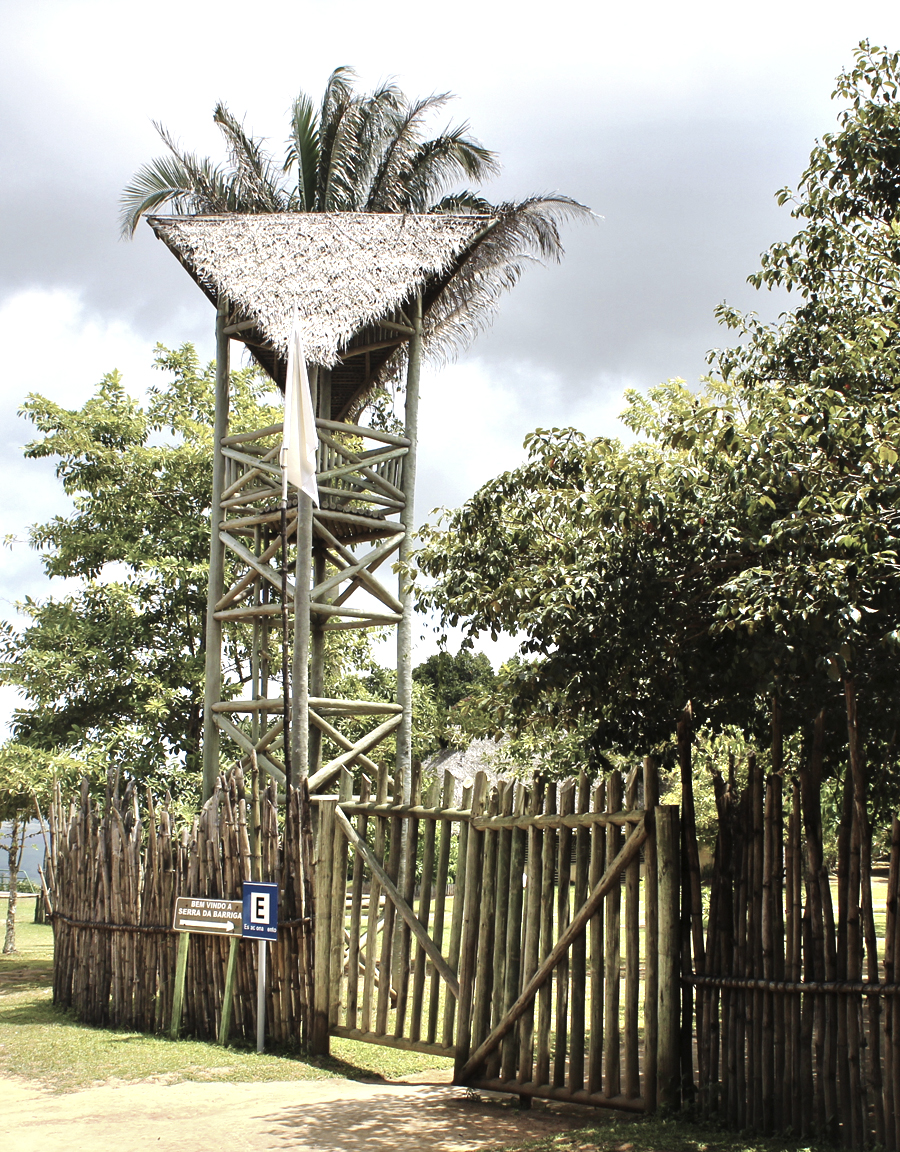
(299, 439)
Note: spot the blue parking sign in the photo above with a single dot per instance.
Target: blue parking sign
(260, 919)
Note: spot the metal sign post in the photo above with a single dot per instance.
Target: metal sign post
(260, 920)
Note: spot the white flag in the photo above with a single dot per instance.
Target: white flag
(299, 439)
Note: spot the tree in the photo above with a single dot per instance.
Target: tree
(454, 680)
(28, 779)
(355, 153)
(365, 154)
(744, 551)
(116, 665)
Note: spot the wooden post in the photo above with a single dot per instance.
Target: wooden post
(228, 994)
(324, 862)
(317, 624)
(468, 949)
(184, 939)
(668, 851)
(405, 627)
(262, 953)
(216, 586)
(651, 935)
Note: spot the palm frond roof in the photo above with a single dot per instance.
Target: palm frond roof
(352, 274)
(345, 272)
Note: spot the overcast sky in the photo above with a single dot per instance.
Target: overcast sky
(676, 123)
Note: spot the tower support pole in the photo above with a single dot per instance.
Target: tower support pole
(299, 734)
(213, 681)
(407, 518)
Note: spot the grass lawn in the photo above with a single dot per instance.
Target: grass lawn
(43, 1044)
(653, 1135)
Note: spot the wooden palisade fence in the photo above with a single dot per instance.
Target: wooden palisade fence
(796, 1027)
(115, 876)
(514, 930)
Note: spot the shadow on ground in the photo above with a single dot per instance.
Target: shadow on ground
(441, 1119)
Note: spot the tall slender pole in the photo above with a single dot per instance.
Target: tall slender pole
(407, 516)
(285, 647)
(213, 682)
(262, 945)
(299, 734)
(317, 624)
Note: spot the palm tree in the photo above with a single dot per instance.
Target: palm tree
(355, 153)
(365, 154)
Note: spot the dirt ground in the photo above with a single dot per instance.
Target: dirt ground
(316, 1116)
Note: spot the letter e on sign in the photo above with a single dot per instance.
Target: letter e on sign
(260, 910)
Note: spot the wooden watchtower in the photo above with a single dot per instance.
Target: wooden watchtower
(372, 291)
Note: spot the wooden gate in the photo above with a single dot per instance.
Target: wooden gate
(528, 932)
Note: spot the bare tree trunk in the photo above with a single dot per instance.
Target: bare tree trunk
(14, 853)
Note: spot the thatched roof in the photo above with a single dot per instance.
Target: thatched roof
(344, 271)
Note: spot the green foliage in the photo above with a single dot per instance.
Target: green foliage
(113, 669)
(458, 685)
(747, 545)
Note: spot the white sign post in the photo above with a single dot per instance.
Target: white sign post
(260, 919)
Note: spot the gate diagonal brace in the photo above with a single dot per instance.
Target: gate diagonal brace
(607, 882)
(415, 924)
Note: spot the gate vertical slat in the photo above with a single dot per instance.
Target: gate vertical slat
(483, 972)
(632, 1086)
(531, 947)
(409, 852)
(372, 950)
(356, 895)
(542, 1060)
(338, 906)
(651, 938)
(597, 930)
(563, 915)
(470, 921)
(456, 922)
(579, 948)
(611, 1060)
(386, 992)
(500, 914)
(513, 950)
(432, 801)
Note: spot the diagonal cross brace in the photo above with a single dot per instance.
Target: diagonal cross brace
(375, 555)
(608, 881)
(367, 742)
(415, 924)
(364, 576)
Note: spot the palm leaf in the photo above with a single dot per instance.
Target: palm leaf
(378, 115)
(255, 172)
(188, 183)
(335, 137)
(386, 193)
(441, 161)
(303, 150)
(519, 234)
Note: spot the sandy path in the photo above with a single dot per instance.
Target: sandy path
(317, 1116)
